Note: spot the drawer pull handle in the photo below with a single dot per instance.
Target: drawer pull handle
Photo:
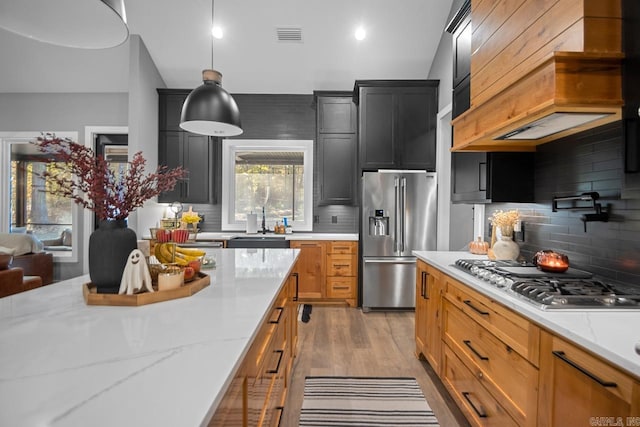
(341, 265)
(275, 371)
(341, 287)
(480, 412)
(340, 248)
(561, 355)
(468, 344)
(280, 311)
(476, 309)
(281, 409)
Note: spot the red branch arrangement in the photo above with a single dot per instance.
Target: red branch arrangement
(92, 184)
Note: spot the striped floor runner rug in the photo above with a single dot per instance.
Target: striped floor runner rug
(364, 401)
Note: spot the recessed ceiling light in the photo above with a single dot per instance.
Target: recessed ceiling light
(360, 33)
(217, 32)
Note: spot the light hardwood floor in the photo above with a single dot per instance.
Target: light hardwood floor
(345, 341)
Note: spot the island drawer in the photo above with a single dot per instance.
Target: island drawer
(514, 330)
(481, 408)
(508, 376)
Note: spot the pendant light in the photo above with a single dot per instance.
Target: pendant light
(86, 24)
(209, 109)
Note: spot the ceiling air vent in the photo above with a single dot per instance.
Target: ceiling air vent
(289, 34)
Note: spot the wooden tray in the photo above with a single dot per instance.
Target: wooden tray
(91, 297)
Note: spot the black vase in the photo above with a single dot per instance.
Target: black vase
(109, 248)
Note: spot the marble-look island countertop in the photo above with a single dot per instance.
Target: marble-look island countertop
(610, 333)
(63, 363)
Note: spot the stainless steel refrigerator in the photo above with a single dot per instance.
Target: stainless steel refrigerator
(398, 216)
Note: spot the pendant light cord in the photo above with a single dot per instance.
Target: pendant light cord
(212, 4)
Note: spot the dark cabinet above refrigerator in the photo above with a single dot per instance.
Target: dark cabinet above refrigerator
(397, 123)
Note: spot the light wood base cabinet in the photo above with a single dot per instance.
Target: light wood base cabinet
(504, 370)
(257, 393)
(342, 271)
(429, 288)
(480, 407)
(327, 271)
(579, 389)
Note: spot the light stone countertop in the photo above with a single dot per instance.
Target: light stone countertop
(64, 363)
(610, 333)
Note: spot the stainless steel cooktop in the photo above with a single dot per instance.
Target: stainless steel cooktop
(573, 289)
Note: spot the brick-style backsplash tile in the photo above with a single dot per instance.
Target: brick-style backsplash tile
(592, 161)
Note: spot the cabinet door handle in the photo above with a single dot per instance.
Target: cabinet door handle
(295, 297)
(280, 311)
(482, 165)
(275, 371)
(481, 413)
(468, 344)
(561, 355)
(476, 309)
(424, 279)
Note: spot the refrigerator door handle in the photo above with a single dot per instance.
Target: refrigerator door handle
(403, 211)
(396, 225)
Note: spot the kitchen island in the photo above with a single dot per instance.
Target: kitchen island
(64, 363)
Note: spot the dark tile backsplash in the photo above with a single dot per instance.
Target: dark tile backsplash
(591, 161)
(267, 116)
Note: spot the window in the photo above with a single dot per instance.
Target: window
(274, 174)
(32, 209)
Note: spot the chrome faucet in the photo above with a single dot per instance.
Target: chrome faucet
(264, 222)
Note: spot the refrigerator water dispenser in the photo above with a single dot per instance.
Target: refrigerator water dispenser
(379, 224)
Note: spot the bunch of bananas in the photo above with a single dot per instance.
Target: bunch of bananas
(171, 253)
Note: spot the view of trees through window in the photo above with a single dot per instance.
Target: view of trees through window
(32, 207)
(274, 180)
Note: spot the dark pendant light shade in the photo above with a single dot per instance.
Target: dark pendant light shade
(211, 110)
(86, 24)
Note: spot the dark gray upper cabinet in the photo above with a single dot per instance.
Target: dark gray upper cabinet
(492, 177)
(460, 29)
(337, 175)
(170, 108)
(336, 146)
(336, 114)
(195, 153)
(397, 123)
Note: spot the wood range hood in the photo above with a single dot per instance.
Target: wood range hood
(538, 75)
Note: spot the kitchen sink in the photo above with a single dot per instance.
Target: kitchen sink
(260, 241)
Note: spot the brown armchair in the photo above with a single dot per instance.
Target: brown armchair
(13, 281)
(36, 264)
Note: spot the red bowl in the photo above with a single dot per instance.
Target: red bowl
(180, 235)
(163, 235)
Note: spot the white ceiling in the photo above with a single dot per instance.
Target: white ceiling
(402, 38)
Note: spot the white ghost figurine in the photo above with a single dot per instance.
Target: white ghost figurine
(136, 277)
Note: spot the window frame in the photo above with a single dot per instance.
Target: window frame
(7, 140)
(229, 149)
